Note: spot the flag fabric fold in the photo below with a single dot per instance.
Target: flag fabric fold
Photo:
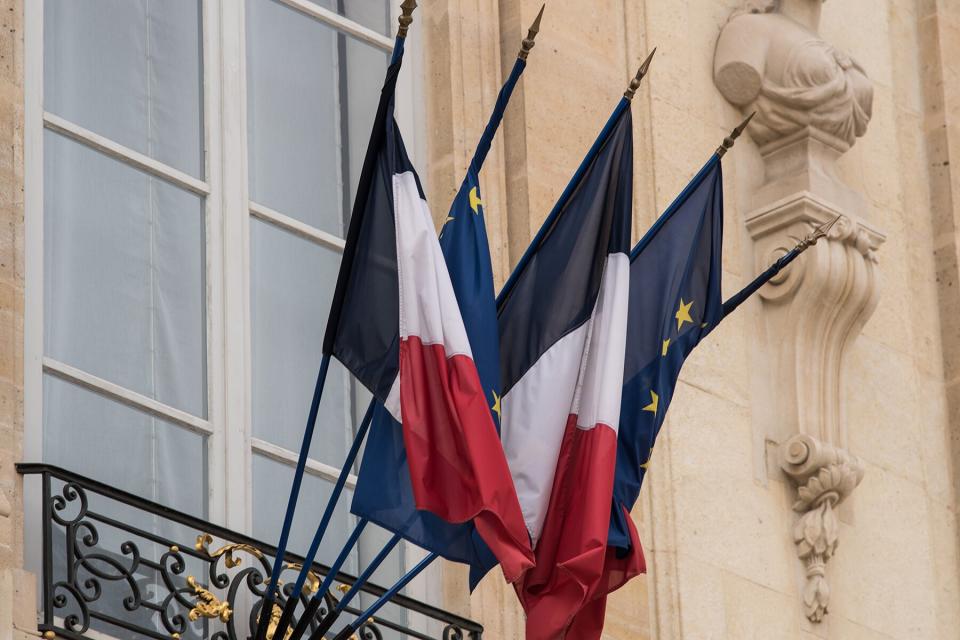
(396, 325)
(563, 324)
(675, 301)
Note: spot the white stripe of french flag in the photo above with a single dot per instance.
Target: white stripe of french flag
(563, 417)
(457, 466)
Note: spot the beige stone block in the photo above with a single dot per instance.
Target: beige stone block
(723, 516)
(841, 627)
(628, 612)
(719, 364)
(943, 543)
(883, 408)
(872, 166)
(935, 446)
(24, 599)
(948, 279)
(755, 612)
(907, 85)
(873, 581)
(892, 320)
(701, 607)
(868, 44)
(494, 604)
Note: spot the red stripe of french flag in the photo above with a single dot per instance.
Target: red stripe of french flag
(571, 546)
(457, 466)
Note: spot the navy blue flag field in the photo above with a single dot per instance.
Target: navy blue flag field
(384, 494)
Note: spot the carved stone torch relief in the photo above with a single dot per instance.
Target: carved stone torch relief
(811, 103)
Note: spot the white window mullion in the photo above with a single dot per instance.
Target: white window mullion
(232, 124)
(33, 232)
(305, 231)
(125, 396)
(217, 447)
(124, 154)
(289, 458)
(340, 23)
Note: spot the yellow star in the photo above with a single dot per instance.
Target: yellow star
(654, 401)
(646, 465)
(496, 404)
(475, 200)
(666, 345)
(683, 313)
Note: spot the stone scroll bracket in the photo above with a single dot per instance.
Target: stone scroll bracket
(812, 103)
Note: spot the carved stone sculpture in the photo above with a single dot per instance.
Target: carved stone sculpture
(812, 103)
(825, 476)
(770, 63)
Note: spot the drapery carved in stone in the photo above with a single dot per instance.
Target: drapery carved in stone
(768, 63)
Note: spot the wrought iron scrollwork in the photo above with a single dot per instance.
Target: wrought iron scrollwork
(104, 574)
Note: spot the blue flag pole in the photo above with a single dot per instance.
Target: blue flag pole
(354, 626)
(331, 617)
(271, 587)
(314, 604)
(271, 591)
(291, 604)
(808, 241)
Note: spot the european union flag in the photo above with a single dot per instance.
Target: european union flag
(675, 301)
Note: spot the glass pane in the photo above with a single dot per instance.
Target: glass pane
(291, 286)
(374, 14)
(123, 275)
(124, 447)
(361, 79)
(129, 70)
(293, 127)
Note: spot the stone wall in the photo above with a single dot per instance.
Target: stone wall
(716, 511)
(17, 608)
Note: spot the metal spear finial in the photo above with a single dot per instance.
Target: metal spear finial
(532, 32)
(820, 232)
(727, 143)
(406, 17)
(642, 71)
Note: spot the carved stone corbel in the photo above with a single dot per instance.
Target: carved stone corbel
(825, 476)
(812, 103)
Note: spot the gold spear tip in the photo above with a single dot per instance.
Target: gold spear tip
(641, 72)
(532, 32)
(824, 229)
(406, 17)
(819, 232)
(727, 143)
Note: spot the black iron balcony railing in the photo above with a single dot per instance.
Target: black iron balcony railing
(117, 565)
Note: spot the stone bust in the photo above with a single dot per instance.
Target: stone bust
(770, 59)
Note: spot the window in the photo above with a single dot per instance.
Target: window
(190, 170)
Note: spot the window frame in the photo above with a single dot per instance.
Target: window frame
(228, 210)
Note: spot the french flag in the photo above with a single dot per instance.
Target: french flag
(563, 328)
(396, 325)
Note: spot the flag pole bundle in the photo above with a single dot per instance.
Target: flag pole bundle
(517, 429)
